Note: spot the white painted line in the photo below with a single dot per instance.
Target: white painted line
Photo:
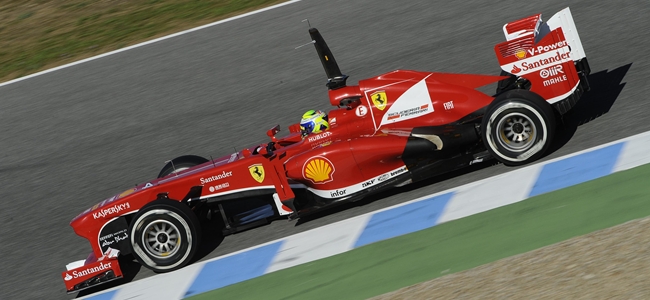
(490, 193)
(148, 42)
(319, 243)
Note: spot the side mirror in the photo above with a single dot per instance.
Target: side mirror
(273, 131)
(294, 128)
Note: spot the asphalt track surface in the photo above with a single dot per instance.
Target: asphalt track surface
(73, 137)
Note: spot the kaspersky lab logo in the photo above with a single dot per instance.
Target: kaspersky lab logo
(76, 274)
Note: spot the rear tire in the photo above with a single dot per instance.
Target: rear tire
(181, 163)
(164, 235)
(518, 127)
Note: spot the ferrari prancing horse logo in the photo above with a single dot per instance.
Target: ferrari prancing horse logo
(257, 172)
(379, 99)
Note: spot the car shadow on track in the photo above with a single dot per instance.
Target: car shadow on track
(606, 86)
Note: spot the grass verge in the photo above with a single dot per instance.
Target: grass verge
(41, 34)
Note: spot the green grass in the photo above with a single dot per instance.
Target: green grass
(458, 245)
(43, 34)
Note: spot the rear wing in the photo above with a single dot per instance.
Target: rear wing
(547, 54)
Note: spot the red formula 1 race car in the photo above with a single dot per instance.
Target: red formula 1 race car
(387, 131)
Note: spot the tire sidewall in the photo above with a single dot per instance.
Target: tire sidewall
(536, 109)
(182, 218)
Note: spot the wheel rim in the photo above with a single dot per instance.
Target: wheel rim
(517, 132)
(161, 239)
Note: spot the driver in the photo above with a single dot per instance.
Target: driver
(313, 121)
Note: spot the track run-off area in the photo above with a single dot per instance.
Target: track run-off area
(76, 135)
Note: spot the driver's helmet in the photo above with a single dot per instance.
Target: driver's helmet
(314, 121)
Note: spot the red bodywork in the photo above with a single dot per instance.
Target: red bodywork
(363, 142)
(382, 132)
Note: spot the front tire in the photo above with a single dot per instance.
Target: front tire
(518, 127)
(164, 235)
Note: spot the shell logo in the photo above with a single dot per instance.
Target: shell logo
(318, 170)
(520, 54)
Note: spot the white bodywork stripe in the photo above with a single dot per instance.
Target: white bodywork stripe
(349, 190)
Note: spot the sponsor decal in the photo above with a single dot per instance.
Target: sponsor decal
(233, 157)
(347, 191)
(332, 121)
(319, 136)
(126, 193)
(398, 171)
(448, 105)
(534, 64)
(219, 186)
(257, 172)
(520, 54)
(361, 110)
(383, 177)
(113, 238)
(413, 103)
(556, 72)
(552, 71)
(379, 99)
(148, 185)
(223, 175)
(338, 193)
(543, 49)
(368, 183)
(109, 253)
(409, 112)
(89, 271)
(554, 80)
(318, 170)
(102, 213)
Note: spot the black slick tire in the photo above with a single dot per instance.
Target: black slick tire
(164, 235)
(518, 127)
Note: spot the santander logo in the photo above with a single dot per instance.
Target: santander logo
(515, 69)
(88, 271)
